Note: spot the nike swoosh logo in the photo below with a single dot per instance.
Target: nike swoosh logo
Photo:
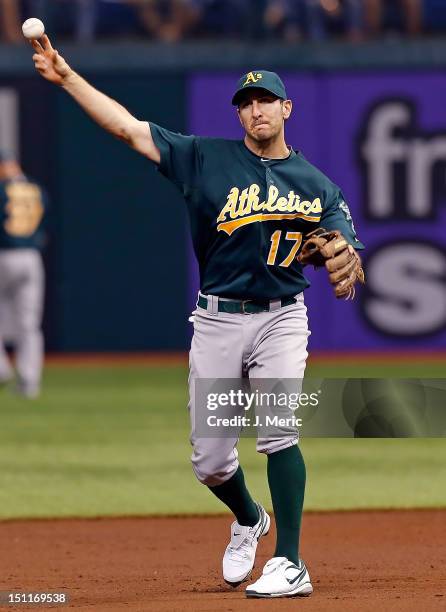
(262, 524)
(296, 577)
(236, 534)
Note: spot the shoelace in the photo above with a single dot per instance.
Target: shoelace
(238, 553)
(282, 563)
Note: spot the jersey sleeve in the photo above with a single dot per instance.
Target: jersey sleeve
(180, 157)
(336, 215)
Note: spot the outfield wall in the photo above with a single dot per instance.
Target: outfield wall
(117, 251)
(119, 266)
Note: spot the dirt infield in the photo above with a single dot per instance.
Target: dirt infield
(358, 561)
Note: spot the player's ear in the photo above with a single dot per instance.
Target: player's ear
(239, 116)
(287, 107)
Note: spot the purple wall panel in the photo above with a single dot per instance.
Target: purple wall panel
(401, 118)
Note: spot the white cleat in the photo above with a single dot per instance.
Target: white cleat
(240, 553)
(281, 578)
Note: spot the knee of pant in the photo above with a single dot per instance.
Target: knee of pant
(273, 445)
(213, 471)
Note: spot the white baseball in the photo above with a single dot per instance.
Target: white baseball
(33, 28)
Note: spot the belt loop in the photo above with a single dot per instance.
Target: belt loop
(212, 306)
(275, 305)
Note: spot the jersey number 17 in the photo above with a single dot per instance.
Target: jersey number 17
(275, 240)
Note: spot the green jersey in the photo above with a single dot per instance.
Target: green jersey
(249, 215)
(23, 205)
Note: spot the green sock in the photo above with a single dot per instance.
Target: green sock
(286, 479)
(236, 496)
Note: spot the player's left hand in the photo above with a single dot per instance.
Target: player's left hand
(331, 250)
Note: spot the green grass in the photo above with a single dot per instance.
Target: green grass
(114, 440)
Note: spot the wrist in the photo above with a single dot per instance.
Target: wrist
(69, 79)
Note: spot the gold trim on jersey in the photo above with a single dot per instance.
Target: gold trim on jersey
(230, 226)
(244, 207)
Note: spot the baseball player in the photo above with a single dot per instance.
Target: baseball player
(22, 208)
(251, 202)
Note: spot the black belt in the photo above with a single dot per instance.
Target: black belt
(244, 306)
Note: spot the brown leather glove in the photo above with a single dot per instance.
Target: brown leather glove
(330, 249)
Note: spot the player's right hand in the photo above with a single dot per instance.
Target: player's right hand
(48, 62)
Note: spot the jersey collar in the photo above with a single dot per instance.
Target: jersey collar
(265, 161)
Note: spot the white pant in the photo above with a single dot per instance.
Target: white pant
(270, 345)
(21, 305)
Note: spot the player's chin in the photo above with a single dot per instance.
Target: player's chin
(262, 134)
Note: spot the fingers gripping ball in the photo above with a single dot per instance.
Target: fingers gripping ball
(33, 28)
(331, 250)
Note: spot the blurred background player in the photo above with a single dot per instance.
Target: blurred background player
(22, 207)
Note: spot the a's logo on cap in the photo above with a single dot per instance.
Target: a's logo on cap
(252, 78)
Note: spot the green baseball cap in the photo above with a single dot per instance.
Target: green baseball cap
(260, 79)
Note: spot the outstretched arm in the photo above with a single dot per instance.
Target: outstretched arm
(105, 111)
